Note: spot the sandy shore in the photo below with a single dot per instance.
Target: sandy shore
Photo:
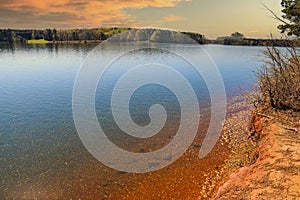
(276, 173)
(194, 178)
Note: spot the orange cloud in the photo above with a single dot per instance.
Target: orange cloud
(172, 18)
(82, 13)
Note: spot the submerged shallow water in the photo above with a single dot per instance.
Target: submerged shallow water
(41, 155)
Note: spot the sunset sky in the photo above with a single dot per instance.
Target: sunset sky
(212, 18)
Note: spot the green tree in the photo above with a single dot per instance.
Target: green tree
(290, 17)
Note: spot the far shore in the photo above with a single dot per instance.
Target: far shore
(244, 42)
(42, 41)
(98, 35)
(77, 42)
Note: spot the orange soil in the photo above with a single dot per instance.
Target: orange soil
(276, 173)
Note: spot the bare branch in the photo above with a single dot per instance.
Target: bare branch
(275, 15)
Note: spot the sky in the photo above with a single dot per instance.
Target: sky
(212, 18)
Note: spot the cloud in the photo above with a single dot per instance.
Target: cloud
(77, 13)
(172, 18)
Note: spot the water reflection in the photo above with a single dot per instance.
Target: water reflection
(51, 47)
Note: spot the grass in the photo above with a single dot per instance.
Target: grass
(41, 41)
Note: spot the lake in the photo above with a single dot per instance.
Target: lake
(41, 154)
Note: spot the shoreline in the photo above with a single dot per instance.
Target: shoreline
(246, 43)
(183, 180)
(276, 172)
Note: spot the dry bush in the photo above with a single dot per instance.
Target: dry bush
(279, 79)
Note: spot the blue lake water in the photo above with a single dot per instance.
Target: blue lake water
(37, 132)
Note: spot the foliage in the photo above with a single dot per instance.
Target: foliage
(159, 36)
(10, 35)
(291, 13)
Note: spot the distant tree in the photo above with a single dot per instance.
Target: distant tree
(102, 36)
(47, 34)
(37, 34)
(1, 35)
(34, 34)
(74, 35)
(237, 35)
(55, 36)
(88, 35)
(60, 35)
(10, 36)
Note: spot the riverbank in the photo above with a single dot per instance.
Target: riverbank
(276, 172)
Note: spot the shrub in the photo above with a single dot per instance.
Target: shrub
(279, 79)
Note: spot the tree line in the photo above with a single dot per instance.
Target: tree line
(16, 35)
(99, 34)
(159, 36)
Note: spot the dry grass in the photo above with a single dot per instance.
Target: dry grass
(279, 79)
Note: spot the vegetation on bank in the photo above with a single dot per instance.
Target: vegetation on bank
(16, 35)
(95, 34)
(100, 34)
(159, 36)
(250, 42)
(279, 77)
(274, 127)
